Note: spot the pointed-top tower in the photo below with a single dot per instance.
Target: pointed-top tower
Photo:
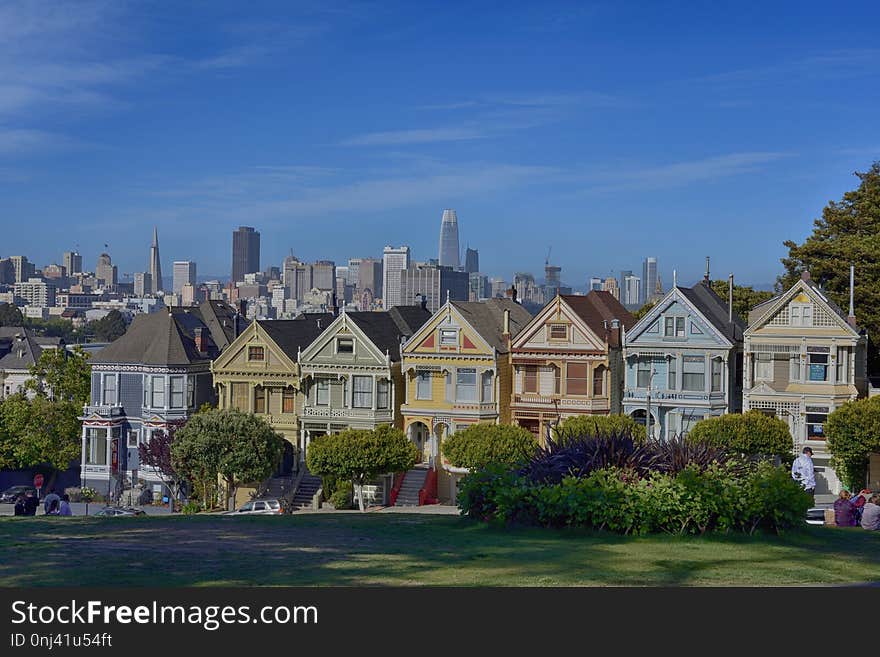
(449, 253)
(155, 264)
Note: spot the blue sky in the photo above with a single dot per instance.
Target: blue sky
(609, 131)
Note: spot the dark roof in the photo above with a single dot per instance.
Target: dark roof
(598, 307)
(291, 335)
(487, 318)
(19, 349)
(715, 309)
(387, 329)
(219, 317)
(161, 338)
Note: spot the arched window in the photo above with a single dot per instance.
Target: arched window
(599, 381)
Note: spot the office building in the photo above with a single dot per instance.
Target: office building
(245, 252)
(156, 285)
(184, 272)
(471, 261)
(143, 284)
(369, 276)
(324, 275)
(35, 292)
(23, 269)
(72, 262)
(449, 253)
(394, 261)
(632, 291)
(434, 283)
(596, 284)
(105, 271)
(649, 278)
(612, 287)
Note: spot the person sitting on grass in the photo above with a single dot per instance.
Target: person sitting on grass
(64, 509)
(844, 510)
(20, 506)
(871, 514)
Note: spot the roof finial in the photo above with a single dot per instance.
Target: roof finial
(447, 295)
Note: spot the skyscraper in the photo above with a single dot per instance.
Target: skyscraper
(245, 252)
(369, 276)
(434, 283)
(649, 278)
(105, 270)
(72, 262)
(632, 291)
(324, 275)
(184, 272)
(394, 261)
(155, 265)
(449, 254)
(622, 282)
(143, 283)
(471, 261)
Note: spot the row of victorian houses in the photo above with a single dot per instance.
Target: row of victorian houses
(431, 375)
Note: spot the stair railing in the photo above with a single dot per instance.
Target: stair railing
(428, 492)
(397, 482)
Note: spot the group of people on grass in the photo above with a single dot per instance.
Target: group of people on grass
(53, 504)
(849, 511)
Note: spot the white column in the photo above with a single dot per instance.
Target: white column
(82, 468)
(375, 392)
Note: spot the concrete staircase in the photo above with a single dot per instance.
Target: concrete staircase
(413, 482)
(306, 490)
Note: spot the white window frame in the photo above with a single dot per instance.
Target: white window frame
(487, 387)
(459, 386)
(177, 397)
(346, 339)
(448, 337)
(423, 378)
(114, 389)
(322, 385)
(383, 394)
(693, 360)
(763, 367)
(157, 391)
(362, 398)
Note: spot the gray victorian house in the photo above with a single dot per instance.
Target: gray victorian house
(151, 379)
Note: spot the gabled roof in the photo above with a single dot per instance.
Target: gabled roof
(19, 349)
(160, 338)
(764, 309)
(713, 308)
(387, 329)
(598, 307)
(487, 319)
(291, 335)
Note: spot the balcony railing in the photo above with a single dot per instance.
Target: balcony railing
(571, 403)
(104, 410)
(354, 413)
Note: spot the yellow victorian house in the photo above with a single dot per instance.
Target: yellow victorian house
(259, 373)
(457, 373)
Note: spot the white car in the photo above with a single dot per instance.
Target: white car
(258, 507)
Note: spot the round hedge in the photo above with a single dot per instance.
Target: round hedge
(754, 433)
(483, 444)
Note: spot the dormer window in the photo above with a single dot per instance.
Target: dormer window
(344, 345)
(801, 314)
(256, 354)
(675, 327)
(558, 332)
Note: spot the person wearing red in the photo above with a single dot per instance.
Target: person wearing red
(844, 510)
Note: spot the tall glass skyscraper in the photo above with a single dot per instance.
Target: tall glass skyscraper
(245, 252)
(649, 278)
(449, 254)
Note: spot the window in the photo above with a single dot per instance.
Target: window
(842, 365)
(816, 423)
(132, 439)
(363, 391)
(599, 381)
(716, 364)
(801, 314)
(322, 392)
(157, 387)
(530, 378)
(763, 367)
(693, 373)
(345, 345)
(239, 396)
(643, 373)
(190, 391)
(817, 363)
(794, 369)
(382, 389)
(466, 385)
(448, 338)
(576, 379)
(557, 380)
(558, 332)
(109, 389)
(259, 399)
(672, 374)
(96, 446)
(487, 385)
(423, 385)
(675, 327)
(256, 353)
(448, 383)
(288, 400)
(176, 392)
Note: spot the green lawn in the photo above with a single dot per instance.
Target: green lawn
(404, 549)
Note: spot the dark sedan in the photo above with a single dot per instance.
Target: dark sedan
(9, 495)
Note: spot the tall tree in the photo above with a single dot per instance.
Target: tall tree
(62, 375)
(361, 455)
(745, 297)
(38, 432)
(10, 315)
(848, 233)
(238, 447)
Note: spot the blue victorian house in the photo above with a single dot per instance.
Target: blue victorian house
(684, 361)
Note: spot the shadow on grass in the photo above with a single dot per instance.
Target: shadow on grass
(402, 549)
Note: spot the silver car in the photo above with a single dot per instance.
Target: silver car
(258, 507)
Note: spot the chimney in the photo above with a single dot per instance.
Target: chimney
(805, 275)
(511, 292)
(851, 320)
(507, 321)
(200, 340)
(706, 277)
(730, 298)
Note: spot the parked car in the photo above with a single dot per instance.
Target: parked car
(269, 505)
(114, 511)
(9, 495)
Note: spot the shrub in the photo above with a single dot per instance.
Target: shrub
(678, 454)
(341, 495)
(598, 426)
(482, 444)
(753, 433)
(853, 432)
(191, 507)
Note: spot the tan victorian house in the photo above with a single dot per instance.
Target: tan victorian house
(803, 359)
(568, 361)
(259, 373)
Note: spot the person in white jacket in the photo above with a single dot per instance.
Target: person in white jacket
(803, 472)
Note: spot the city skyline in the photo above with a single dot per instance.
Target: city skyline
(753, 133)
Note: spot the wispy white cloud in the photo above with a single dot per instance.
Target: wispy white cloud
(833, 64)
(417, 136)
(22, 140)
